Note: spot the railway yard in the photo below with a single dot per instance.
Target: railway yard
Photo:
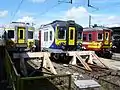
(65, 57)
(103, 75)
(107, 78)
(76, 46)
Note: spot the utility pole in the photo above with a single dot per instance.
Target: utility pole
(88, 3)
(89, 21)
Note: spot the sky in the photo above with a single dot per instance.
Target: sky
(45, 11)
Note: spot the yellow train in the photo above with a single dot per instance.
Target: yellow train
(19, 35)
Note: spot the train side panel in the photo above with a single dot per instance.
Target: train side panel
(2, 36)
(98, 40)
(46, 37)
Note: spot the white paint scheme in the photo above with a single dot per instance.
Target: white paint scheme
(2, 39)
(47, 28)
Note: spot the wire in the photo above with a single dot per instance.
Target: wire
(92, 6)
(70, 1)
(51, 8)
(16, 10)
(59, 2)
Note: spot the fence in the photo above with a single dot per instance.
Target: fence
(53, 82)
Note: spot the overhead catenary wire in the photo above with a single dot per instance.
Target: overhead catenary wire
(89, 5)
(14, 14)
(70, 1)
(47, 10)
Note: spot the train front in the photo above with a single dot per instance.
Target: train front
(68, 36)
(19, 36)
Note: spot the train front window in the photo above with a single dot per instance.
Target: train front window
(61, 33)
(79, 35)
(100, 36)
(10, 33)
(30, 34)
(84, 37)
(90, 37)
(21, 34)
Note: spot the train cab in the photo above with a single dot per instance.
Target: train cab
(60, 35)
(98, 39)
(19, 35)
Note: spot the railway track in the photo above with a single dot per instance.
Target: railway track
(108, 78)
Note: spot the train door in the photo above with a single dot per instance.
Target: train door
(21, 35)
(71, 36)
(106, 37)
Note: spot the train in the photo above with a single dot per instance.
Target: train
(18, 36)
(2, 36)
(59, 36)
(116, 39)
(98, 39)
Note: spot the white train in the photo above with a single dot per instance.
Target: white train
(2, 36)
(17, 35)
(60, 36)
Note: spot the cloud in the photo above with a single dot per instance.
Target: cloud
(113, 25)
(75, 12)
(81, 16)
(26, 19)
(3, 13)
(24, 13)
(38, 1)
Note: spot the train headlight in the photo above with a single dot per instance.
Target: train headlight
(79, 45)
(62, 46)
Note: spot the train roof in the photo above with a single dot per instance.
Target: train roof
(96, 29)
(19, 24)
(63, 23)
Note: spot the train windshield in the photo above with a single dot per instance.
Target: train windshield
(30, 34)
(79, 35)
(10, 33)
(100, 36)
(61, 32)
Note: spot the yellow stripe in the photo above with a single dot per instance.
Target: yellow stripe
(57, 41)
(94, 44)
(71, 41)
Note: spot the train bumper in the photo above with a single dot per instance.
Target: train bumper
(24, 45)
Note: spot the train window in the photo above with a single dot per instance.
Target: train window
(84, 37)
(21, 34)
(30, 34)
(71, 34)
(89, 37)
(61, 33)
(45, 36)
(106, 36)
(10, 33)
(79, 35)
(100, 36)
(50, 35)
